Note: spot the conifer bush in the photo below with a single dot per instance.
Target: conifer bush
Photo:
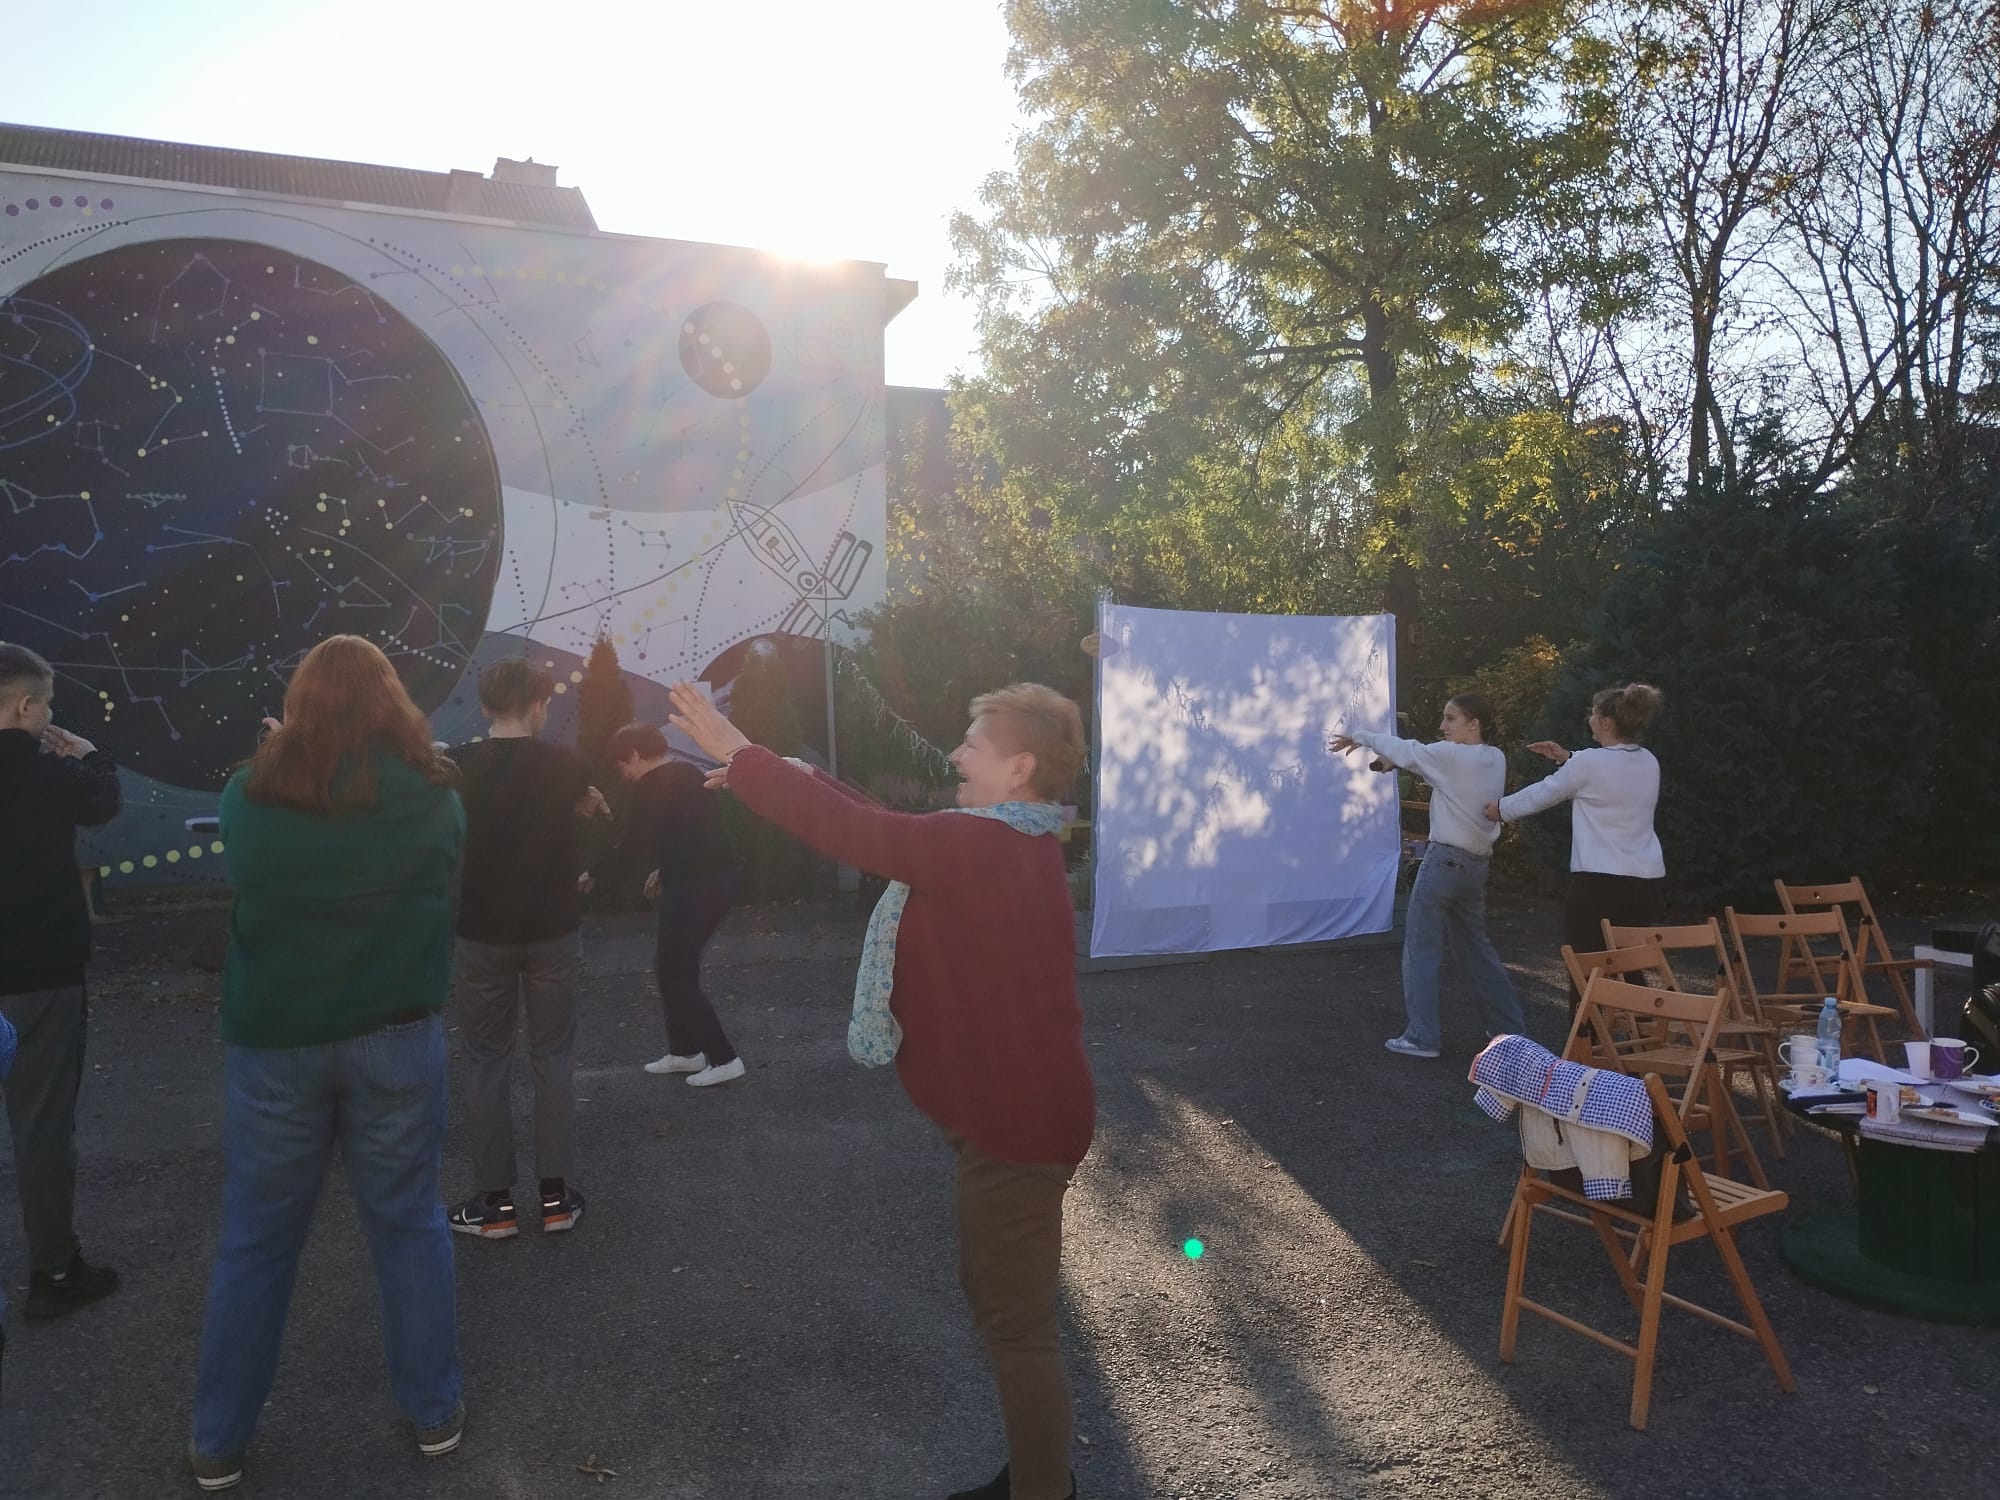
(1795, 741)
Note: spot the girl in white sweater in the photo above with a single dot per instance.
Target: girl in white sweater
(1448, 903)
(1616, 868)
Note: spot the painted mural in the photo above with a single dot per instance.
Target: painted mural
(232, 426)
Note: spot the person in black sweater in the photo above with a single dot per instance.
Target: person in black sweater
(675, 830)
(519, 945)
(51, 783)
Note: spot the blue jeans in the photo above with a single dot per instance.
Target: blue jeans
(381, 1098)
(1447, 915)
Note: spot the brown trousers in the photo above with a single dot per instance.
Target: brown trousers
(1009, 1261)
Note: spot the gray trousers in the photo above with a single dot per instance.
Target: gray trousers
(41, 1111)
(494, 983)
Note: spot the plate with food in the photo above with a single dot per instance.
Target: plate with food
(1946, 1114)
(1982, 1087)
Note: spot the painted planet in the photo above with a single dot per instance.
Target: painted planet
(725, 349)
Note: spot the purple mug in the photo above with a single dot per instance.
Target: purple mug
(1951, 1058)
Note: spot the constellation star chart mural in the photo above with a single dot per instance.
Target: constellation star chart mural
(219, 455)
(231, 426)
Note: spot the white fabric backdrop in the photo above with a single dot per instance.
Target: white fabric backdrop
(1221, 821)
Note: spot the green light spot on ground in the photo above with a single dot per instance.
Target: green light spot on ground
(1193, 1249)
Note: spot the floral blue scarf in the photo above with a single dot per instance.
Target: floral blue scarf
(873, 1034)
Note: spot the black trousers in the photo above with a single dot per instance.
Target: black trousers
(41, 1110)
(1622, 900)
(690, 911)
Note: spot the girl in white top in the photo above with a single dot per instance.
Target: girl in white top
(1616, 868)
(1448, 903)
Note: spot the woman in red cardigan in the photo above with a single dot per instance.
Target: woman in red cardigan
(968, 980)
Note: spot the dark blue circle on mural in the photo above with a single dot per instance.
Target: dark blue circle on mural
(213, 455)
(725, 348)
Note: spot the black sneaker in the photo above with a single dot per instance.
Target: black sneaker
(53, 1293)
(215, 1473)
(436, 1442)
(561, 1208)
(1001, 1487)
(491, 1216)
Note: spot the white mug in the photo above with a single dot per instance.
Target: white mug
(1918, 1057)
(1885, 1099)
(1801, 1054)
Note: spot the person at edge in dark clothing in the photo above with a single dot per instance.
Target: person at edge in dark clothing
(519, 947)
(51, 783)
(675, 830)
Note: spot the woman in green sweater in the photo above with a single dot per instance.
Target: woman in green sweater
(343, 836)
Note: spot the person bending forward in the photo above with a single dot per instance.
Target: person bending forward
(675, 830)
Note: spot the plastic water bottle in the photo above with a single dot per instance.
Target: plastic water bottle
(1829, 1040)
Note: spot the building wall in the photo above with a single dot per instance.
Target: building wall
(231, 426)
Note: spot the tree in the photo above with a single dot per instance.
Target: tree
(1246, 240)
(1719, 129)
(603, 702)
(1819, 176)
(776, 866)
(1897, 242)
(761, 705)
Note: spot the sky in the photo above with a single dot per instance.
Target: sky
(801, 126)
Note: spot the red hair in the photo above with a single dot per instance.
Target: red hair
(344, 700)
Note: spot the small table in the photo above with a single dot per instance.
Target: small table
(1921, 978)
(1924, 1236)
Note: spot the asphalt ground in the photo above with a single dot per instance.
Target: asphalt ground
(761, 1300)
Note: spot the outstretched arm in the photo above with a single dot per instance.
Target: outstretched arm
(1559, 786)
(910, 847)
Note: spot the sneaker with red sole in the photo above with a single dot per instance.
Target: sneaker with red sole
(491, 1216)
(560, 1210)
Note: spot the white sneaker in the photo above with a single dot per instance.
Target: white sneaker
(674, 1064)
(1408, 1048)
(727, 1073)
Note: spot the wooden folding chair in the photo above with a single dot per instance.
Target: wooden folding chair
(1740, 1031)
(1720, 1206)
(1837, 973)
(1654, 1047)
(1868, 938)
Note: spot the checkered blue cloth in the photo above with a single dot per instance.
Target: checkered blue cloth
(1513, 1070)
